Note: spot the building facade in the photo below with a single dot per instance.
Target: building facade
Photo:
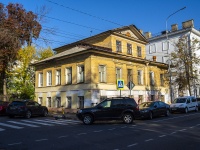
(84, 73)
(160, 47)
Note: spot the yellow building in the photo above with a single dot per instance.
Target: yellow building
(83, 73)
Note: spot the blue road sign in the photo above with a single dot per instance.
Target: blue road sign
(120, 84)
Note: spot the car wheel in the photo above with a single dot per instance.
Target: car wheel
(45, 113)
(128, 118)
(150, 115)
(87, 119)
(28, 114)
(196, 109)
(167, 113)
(186, 110)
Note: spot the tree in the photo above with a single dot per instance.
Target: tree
(44, 53)
(22, 74)
(185, 61)
(17, 27)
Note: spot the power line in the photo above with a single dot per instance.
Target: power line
(71, 23)
(84, 13)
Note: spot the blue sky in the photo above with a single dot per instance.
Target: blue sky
(74, 20)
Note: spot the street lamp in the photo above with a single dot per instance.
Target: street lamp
(169, 62)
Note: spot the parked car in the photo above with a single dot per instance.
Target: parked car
(117, 108)
(3, 106)
(26, 108)
(153, 109)
(184, 104)
(198, 101)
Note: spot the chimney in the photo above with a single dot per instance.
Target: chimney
(147, 35)
(141, 31)
(188, 24)
(154, 58)
(174, 27)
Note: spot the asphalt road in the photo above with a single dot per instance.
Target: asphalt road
(177, 132)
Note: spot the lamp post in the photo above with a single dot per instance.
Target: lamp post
(169, 62)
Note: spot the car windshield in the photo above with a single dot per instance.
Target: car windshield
(180, 100)
(146, 104)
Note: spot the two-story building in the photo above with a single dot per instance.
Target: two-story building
(85, 72)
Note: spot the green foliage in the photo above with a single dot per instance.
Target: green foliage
(44, 53)
(21, 76)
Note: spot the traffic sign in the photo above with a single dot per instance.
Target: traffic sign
(120, 84)
(130, 85)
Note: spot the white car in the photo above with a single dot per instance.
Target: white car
(184, 104)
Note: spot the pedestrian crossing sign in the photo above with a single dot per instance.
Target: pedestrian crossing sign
(120, 84)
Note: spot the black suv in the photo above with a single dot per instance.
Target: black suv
(117, 108)
(26, 108)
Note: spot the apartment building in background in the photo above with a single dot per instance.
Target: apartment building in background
(85, 72)
(159, 48)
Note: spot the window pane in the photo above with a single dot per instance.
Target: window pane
(139, 53)
(129, 48)
(118, 46)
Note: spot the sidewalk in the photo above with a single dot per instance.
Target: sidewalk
(67, 115)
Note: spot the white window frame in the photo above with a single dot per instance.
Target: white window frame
(69, 102)
(165, 45)
(80, 73)
(152, 78)
(49, 78)
(49, 104)
(118, 73)
(40, 79)
(58, 102)
(68, 75)
(152, 48)
(40, 99)
(102, 73)
(140, 77)
(129, 75)
(58, 77)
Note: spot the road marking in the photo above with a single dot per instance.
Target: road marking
(149, 130)
(182, 130)
(132, 145)
(64, 136)
(20, 123)
(51, 121)
(11, 126)
(82, 133)
(173, 133)
(65, 120)
(162, 136)
(2, 129)
(148, 140)
(46, 124)
(15, 143)
(98, 131)
(41, 140)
